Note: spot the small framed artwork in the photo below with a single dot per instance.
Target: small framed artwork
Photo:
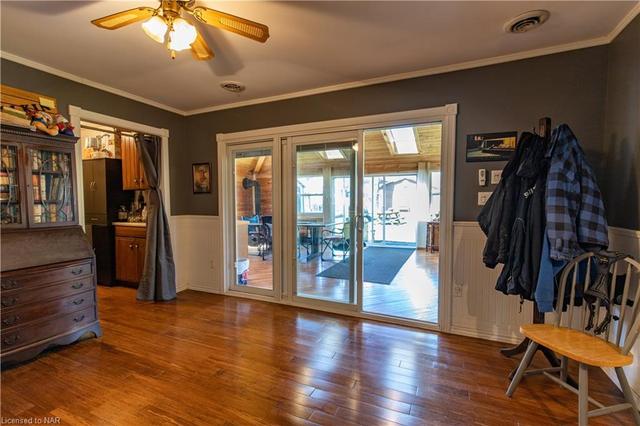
(201, 178)
(491, 146)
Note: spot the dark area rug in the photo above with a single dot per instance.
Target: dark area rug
(381, 265)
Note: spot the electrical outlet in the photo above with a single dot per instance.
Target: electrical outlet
(457, 290)
(211, 264)
(483, 197)
(496, 175)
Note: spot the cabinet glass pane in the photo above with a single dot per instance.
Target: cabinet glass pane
(9, 187)
(52, 186)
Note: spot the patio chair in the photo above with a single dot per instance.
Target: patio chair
(335, 239)
(576, 339)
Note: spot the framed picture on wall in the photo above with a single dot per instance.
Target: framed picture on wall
(491, 146)
(201, 178)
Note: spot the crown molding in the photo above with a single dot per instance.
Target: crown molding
(69, 76)
(412, 74)
(598, 41)
(626, 20)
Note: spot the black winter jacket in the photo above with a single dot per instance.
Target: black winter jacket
(497, 216)
(520, 272)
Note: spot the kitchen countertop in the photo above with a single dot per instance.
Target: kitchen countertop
(138, 224)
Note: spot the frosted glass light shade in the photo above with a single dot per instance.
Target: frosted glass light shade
(155, 28)
(182, 35)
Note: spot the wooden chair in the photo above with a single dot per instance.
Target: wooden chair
(611, 349)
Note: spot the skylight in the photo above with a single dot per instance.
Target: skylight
(333, 154)
(403, 140)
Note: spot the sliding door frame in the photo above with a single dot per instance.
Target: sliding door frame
(226, 173)
(445, 114)
(289, 175)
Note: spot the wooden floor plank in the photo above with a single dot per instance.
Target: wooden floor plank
(214, 360)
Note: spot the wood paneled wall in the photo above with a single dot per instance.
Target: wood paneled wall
(245, 168)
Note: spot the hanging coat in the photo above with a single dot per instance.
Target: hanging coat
(517, 276)
(497, 216)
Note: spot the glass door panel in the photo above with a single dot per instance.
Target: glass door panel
(52, 186)
(253, 215)
(324, 214)
(11, 214)
(401, 206)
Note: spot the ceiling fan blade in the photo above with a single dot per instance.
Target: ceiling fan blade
(126, 17)
(235, 24)
(200, 50)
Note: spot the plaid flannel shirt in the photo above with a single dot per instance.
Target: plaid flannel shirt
(574, 208)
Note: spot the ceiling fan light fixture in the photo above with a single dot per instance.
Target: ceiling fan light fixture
(182, 35)
(155, 28)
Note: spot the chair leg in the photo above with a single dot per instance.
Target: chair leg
(628, 394)
(583, 395)
(564, 365)
(526, 360)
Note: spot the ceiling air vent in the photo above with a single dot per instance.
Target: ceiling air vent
(232, 86)
(527, 21)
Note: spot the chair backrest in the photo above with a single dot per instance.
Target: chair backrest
(578, 275)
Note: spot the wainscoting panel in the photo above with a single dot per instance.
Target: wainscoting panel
(479, 310)
(197, 252)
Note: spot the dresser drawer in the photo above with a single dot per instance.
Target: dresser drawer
(131, 231)
(21, 315)
(20, 336)
(16, 280)
(15, 299)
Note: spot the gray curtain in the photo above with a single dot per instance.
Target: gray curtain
(159, 274)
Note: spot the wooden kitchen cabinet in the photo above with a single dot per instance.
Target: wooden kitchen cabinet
(130, 253)
(133, 176)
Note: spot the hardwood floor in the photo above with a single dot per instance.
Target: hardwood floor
(210, 360)
(412, 294)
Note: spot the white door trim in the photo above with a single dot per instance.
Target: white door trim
(445, 114)
(77, 114)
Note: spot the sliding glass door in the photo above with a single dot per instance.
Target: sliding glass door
(252, 173)
(323, 206)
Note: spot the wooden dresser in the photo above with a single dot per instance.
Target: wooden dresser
(47, 266)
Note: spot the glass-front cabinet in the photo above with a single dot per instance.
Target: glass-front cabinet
(37, 180)
(11, 198)
(51, 186)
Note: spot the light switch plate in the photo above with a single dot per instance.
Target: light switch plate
(496, 175)
(482, 177)
(483, 197)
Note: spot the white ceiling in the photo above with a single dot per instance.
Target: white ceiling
(312, 44)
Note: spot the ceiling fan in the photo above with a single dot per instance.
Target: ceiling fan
(165, 24)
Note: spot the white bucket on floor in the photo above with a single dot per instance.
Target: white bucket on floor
(242, 270)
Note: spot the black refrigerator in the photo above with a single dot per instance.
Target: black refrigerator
(103, 195)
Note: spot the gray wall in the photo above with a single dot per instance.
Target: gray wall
(572, 87)
(68, 93)
(621, 144)
(569, 87)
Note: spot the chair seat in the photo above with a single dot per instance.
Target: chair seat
(576, 345)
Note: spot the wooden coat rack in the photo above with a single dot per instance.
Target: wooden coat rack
(544, 131)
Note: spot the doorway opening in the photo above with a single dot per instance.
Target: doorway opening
(401, 211)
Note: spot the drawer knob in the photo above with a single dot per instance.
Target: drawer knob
(11, 320)
(77, 285)
(9, 301)
(78, 318)
(78, 302)
(77, 271)
(11, 340)
(9, 284)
